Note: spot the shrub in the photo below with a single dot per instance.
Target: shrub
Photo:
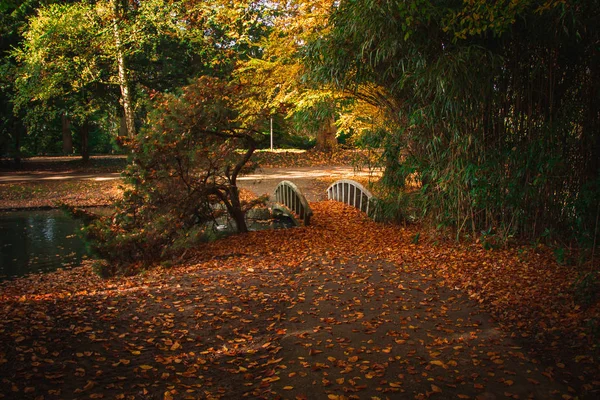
(182, 177)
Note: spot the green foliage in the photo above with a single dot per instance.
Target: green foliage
(415, 239)
(64, 58)
(64, 70)
(292, 140)
(13, 18)
(311, 112)
(63, 65)
(587, 288)
(497, 104)
(393, 205)
(183, 175)
(560, 255)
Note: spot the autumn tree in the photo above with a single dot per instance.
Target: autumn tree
(310, 109)
(13, 20)
(184, 173)
(63, 69)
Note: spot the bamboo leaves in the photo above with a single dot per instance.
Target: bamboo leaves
(494, 101)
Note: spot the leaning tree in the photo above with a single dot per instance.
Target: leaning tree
(184, 173)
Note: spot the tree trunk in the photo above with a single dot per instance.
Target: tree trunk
(326, 136)
(123, 126)
(85, 133)
(123, 76)
(235, 208)
(236, 211)
(67, 137)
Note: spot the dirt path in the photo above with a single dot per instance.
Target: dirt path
(321, 312)
(374, 329)
(386, 333)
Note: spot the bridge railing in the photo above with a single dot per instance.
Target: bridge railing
(352, 193)
(289, 195)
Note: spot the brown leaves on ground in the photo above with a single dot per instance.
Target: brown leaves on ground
(77, 193)
(309, 158)
(342, 309)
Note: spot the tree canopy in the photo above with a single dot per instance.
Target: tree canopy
(102, 61)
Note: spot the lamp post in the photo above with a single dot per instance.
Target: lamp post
(271, 133)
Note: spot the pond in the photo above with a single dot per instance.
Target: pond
(45, 240)
(38, 241)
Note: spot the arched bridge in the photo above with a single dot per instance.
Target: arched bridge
(346, 191)
(352, 193)
(289, 195)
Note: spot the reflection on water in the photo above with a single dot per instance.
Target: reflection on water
(38, 241)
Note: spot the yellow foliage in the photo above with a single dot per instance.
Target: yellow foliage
(281, 76)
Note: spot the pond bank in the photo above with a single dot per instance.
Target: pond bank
(52, 194)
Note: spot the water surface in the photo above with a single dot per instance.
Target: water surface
(38, 241)
(44, 240)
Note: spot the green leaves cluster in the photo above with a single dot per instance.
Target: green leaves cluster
(95, 62)
(64, 62)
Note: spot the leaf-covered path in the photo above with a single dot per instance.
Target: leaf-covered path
(342, 309)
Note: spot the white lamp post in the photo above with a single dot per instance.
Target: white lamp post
(271, 133)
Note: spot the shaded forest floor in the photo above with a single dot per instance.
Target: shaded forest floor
(342, 309)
